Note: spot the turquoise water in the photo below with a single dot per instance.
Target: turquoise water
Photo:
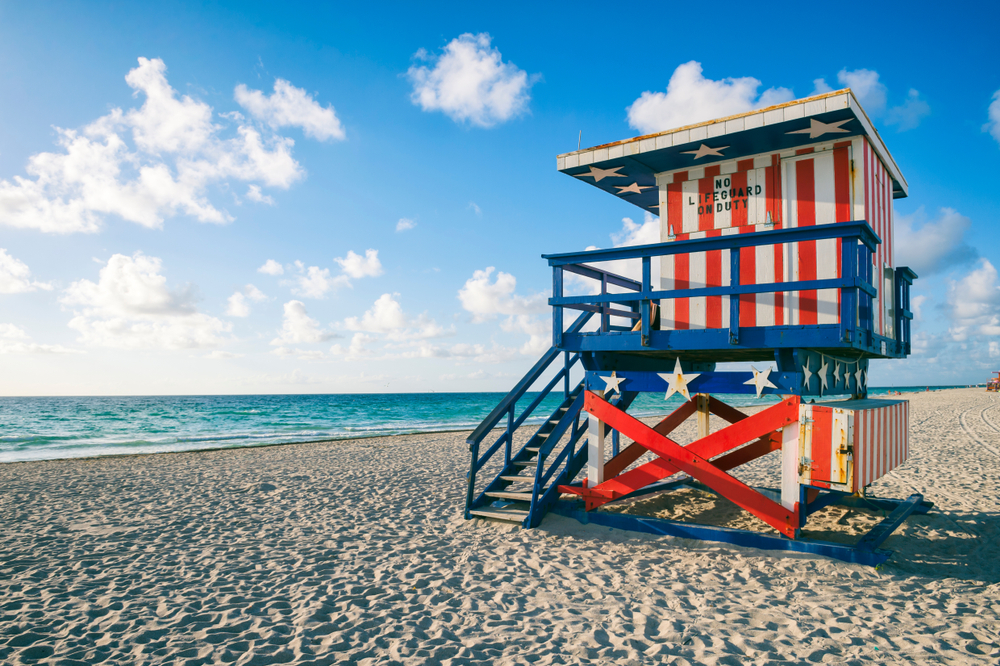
(68, 427)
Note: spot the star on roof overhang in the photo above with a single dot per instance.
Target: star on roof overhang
(818, 128)
(705, 151)
(634, 188)
(599, 174)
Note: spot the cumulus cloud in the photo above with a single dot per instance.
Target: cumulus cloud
(930, 246)
(15, 276)
(298, 327)
(15, 340)
(386, 316)
(238, 305)
(130, 307)
(874, 95)
(993, 126)
(469, 82)
(691, 98)
(289, 106)
(146, 164)
(271, 267)
(975, 302)
(254, 194)
(871, 92)
(486, 299)
(316, 282)
(908, 115)
(356, 266)
(405, 224)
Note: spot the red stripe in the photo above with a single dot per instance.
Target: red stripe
(748, 255)
(805, 203)
(675, 217)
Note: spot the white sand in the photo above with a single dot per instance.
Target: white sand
(356, 552)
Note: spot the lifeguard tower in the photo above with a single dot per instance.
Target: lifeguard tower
(776, 250)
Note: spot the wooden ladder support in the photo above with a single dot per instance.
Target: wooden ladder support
(694, 458)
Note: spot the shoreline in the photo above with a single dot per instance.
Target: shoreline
(523, 429)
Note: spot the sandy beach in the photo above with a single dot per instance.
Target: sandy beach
(357, 552)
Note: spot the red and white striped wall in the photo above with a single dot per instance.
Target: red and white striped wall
(849, 446)
(825, 184)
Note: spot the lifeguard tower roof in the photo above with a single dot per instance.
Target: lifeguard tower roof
(628, 168)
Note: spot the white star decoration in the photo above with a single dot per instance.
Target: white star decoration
(634, 188)
(817, 128)
(857, 377)
(612, 383)
(677, 381)
(836, 374)
(705, 151)
(598, 174)
(808, 373)
(823, 370)
(760, 380)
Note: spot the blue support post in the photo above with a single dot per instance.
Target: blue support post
(647, 287)
(734, 300)
(566, 365)
(605, 307)
(557, 311)
(848, 296)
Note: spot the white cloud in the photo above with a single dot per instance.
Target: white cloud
(930, 246)
(474, 207)
(993, 126)
(130, 307)
(15, 340)
(289, 106)
(994, 349)
(909, 114)
(356, 266)
(873, 96)
(470, 82)
(358, 347)
(298, 327)
(238, 303)
(867, 88)
(405, 224)
(180, 150)
(386, 316)
(315, 282)
(692, 98)
(486, 299)
(271, 267)
(975, 302)
(218, 354)
(820, 87)
(254, 194)
(15, 276)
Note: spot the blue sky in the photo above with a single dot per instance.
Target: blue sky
(398, 167)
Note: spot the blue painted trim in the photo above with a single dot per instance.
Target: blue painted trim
(745, 538)
(858, 229)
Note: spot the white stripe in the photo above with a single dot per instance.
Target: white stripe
(826, 250)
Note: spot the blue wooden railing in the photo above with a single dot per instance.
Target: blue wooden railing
(507, 408)
(858, 242)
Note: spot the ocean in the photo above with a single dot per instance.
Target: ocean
(74, 427)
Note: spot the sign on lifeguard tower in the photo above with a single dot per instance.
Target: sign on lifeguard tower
(776, 250)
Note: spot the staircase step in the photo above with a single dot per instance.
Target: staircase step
(533, 449)
(524, 463)
(518, 479)
(515, 515)
(502, 494)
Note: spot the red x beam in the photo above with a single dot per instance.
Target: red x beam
(694, 458)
